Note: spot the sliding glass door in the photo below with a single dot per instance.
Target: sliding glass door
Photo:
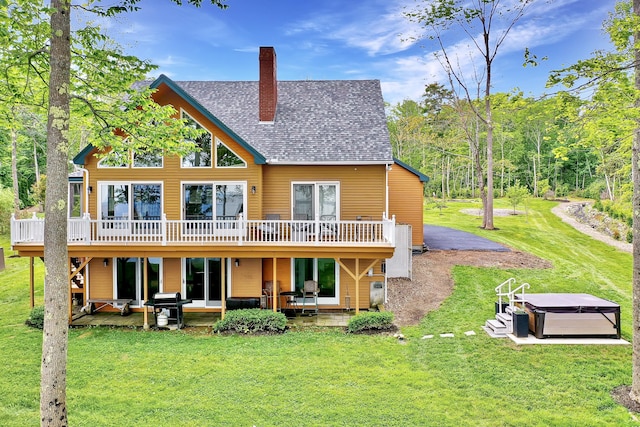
(203, 281)
(129, 278)
(323, 270)
(311, 199)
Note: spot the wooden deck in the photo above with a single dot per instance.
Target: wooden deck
(204, 320)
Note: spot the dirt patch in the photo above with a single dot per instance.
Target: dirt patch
(621, 395)
(432, 283)
(496, 212)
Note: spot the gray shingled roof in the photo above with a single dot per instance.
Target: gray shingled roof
(335, 121)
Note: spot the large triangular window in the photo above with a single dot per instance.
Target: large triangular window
(226, 158)
(114, 160)
(202, 156)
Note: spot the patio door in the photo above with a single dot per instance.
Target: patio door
(323, 270)
(129, 278)
(313, 199)
(121, 202)
(202, 281)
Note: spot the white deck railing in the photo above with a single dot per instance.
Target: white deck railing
(237, 231)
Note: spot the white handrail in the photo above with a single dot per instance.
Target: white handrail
(500, 292)
(240, 231)
(512, 294)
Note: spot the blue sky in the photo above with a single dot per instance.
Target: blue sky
(348, 39)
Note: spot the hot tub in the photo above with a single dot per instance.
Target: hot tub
(571, 315)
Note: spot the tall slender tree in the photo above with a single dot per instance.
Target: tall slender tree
(53, 405)
(603, 69)
(478, 20)
(635, 174)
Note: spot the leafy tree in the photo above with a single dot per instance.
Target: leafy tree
(517, 194)
(38, 190)
(473, 17)
(6, 208)
(110, 71)
(608, 70)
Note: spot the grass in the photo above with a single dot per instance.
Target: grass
(326, 377)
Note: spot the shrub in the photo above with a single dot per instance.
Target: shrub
(598, 205)
(370, 321)
(250, 321)
(36, 318)
(516, 194)
(562, 190)
(6, 208)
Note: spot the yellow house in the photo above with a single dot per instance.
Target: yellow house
(294, 182)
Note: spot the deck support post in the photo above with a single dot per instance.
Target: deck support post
(223, 289)
(275, 289)
(356, 276)
(70, 284)
(32, 298)
(145, 291)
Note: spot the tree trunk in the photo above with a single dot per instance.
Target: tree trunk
(635, 172)
(14, 170)
(53, 382)
(488, 208)
(36, 167)
(535, 179)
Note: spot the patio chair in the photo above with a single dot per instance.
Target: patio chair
(270, 231)
(328, 228)
(300, 231)
(267, 293)
(310, 291)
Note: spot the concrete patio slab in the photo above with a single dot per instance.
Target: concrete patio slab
(531, 339)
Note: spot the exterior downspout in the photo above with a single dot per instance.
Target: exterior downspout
(85, 186)
(386, 187)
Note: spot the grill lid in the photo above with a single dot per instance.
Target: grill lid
(173, 296)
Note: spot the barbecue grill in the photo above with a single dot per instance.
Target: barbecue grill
(171, 303)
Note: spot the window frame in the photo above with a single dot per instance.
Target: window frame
(183, 113)
(219, 141)
(316, 197)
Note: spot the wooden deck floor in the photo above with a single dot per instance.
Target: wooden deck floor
(204, 320)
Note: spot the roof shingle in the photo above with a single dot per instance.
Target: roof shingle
(330, 122)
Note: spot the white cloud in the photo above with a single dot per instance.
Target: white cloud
(375, 27)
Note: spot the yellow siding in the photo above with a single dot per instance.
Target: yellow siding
(101, 279)
(405, 201)
(362, 188)
(172, 272)
(246, 279)
(283, 274)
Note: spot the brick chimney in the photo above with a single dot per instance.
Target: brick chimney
(268, 85)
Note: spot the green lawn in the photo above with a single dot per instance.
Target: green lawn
(327, 378)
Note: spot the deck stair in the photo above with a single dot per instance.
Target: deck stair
(502, 324)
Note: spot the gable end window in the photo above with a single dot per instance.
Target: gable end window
(200, 158)
(226, 158)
